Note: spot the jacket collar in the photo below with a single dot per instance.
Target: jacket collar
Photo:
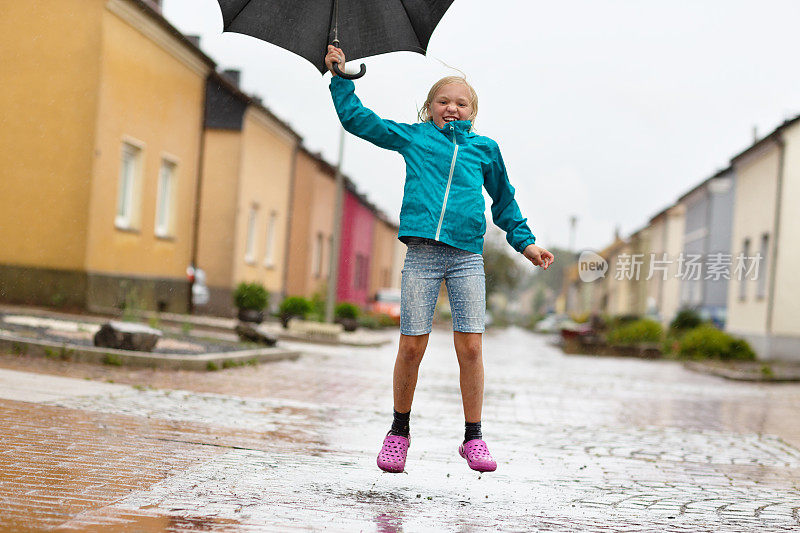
(461, 128)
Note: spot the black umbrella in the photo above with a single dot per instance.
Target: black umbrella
(367, 27)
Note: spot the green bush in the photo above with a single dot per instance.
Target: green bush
(250, 296)
(346, 310)
(636, 332)
(707, 342)
(295, 306)
(685, 320)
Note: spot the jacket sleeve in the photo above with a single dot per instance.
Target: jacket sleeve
(363, 122)
(505, 211)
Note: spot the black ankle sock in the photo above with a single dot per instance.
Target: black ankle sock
(472, 430)
(400, 424)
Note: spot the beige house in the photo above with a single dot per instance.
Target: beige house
(248, 167)
(311, 228)
(666, 244)
(101, 142)
(637, 273)
(614, 291)
(382, 262)
(398, 258)
(764, 290)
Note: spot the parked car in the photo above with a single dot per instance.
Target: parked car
(387, 302)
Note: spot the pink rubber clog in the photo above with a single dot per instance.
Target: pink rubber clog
(477, 455)
(392, 457)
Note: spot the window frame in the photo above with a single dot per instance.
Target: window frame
(269, 244)
(165, 229)
(129, 186)
(250, 236)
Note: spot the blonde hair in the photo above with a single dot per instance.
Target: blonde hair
(424, 114)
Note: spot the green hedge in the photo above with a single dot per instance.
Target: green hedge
(685, 320)
(346, 310)
(636, 332)
(707, 342)
(295, 306)
(250, 296)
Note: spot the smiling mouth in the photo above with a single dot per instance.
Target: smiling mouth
(450, 119)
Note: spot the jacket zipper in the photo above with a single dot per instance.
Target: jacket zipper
(449, 180)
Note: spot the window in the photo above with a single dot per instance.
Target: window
(763, 273)
(743, 279)
(361, 272)
(250, 243)
(317, 259)
(130, 169)
(270, 246)
(165, 200)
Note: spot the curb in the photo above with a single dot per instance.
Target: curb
(740, 375)
(198, 322)
(90, 354)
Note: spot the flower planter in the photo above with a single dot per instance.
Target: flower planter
(251, 315)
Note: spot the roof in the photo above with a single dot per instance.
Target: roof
(704, 183)
(156, 15)
(253, 101)
(773, 136)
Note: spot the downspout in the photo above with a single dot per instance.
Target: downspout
(197, 195)
(773, 267)
(289, 213)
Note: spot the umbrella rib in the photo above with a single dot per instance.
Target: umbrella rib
(424, 51)
(239, 12)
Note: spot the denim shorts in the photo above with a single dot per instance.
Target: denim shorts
(429, 262)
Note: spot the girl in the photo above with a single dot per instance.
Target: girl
(442, 222)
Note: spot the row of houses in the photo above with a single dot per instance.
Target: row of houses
(728, 248)
(127, 157)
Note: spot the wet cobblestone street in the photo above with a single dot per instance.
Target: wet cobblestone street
(583, 444)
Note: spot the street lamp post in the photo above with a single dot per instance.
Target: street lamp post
(333, 265)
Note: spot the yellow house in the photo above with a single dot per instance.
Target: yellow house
(248, 167)
(311, 228)
(101, 136)
(763, 303)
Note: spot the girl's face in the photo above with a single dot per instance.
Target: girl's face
(452, 102)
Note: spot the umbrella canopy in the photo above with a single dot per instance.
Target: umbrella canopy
(363, 27)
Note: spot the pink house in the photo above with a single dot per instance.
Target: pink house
(358, 224)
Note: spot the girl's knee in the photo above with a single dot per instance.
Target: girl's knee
(469, 348)
(412, 348)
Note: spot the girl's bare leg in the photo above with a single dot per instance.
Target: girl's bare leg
(406, 370)
(470, 362)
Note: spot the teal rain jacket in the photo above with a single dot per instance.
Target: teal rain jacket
(445, 172)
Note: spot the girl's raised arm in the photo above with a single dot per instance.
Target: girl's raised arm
(365, 123)
(359, 120)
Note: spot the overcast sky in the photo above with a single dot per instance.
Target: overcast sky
(608, 110)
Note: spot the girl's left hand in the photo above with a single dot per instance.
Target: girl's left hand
(334, 55)
(538, 256)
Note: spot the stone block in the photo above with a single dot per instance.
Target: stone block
(127, 336)
(250, 332)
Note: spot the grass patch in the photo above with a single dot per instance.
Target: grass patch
(112, 359)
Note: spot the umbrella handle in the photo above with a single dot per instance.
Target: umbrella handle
(347, 76)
